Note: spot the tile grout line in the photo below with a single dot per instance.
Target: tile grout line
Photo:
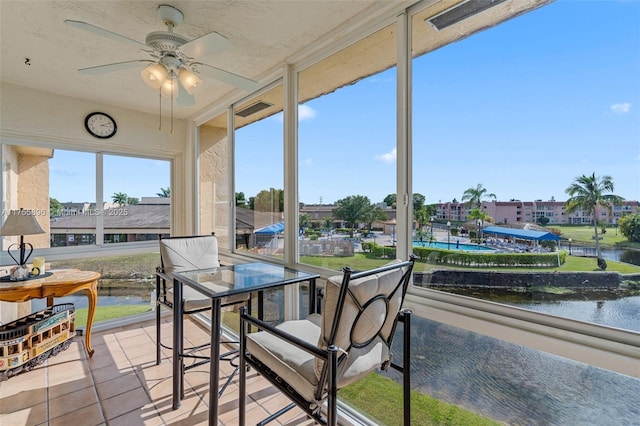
(85, 359)
(47, 392)
(144, 383)
(140, 380)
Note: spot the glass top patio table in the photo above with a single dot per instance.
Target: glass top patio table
(242, 278)
(216, 284)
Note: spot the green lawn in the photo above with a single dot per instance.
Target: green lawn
(106, 313)
(585, 234)
(380, 398)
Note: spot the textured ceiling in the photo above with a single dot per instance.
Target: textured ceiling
(263, 33)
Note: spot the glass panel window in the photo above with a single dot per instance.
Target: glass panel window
(347, 155)
(137, 199)
(510, 383)
(488, 111)
(72, 192)
(259, 181)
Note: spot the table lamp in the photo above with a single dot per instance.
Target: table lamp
(21, 222)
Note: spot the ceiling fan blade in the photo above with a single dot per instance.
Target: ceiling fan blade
(105, 33)
(205, 45)
(118, 66)
(184, 99)
(227, 77)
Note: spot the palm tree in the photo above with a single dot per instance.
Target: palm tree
(120, 198)
(164, 192)
(587, 193)
(474, 196)
(478, 214)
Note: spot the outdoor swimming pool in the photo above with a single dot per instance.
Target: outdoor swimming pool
(454, 245)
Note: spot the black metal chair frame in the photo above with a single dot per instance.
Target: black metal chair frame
(332, 356)
(190, 352)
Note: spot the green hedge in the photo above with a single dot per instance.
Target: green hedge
(483, 259)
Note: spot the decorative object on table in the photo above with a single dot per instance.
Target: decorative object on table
(21, 222)
(38, 266)
(29, 341)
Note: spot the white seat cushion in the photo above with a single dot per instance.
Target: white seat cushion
(294, 365)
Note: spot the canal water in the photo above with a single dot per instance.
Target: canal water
(514, 384)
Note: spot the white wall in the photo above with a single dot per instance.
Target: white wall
(30, 117)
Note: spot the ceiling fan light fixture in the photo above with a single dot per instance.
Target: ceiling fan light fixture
(155, 75)
(170, 88)
(190, 80)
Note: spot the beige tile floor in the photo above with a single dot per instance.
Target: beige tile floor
(122, 385)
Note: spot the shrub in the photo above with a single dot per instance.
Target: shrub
(495, 260)
(630, 227)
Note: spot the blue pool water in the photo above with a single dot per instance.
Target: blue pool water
(452, 246)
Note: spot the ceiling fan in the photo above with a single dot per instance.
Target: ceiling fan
(174, 68)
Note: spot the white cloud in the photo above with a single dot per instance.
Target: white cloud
(388, 157)
(305, 112)
(621, 108)
(306, 162)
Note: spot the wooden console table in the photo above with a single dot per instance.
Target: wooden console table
(61, 283)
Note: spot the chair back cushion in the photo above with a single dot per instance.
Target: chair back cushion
(367, 319)
(181, 254)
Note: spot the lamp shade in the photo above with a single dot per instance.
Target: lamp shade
(154, 75)
(170, 87)
(21, 222)
(190, 81)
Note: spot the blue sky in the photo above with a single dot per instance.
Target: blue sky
(522, 108)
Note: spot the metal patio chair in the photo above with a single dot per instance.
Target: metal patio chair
(310, 359)
(179, 254)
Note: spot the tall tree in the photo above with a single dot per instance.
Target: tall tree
(240, 199)
(474, 196)
(390, 199)
(418, 201)
(164, 192)
(373, 214)
(120, 198)
(422, 216)
(304, 221)
(352, 209)
(55, 207)
(477, 213)
(271, 200)
(587, 193)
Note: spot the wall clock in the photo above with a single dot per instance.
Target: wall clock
(100, 125)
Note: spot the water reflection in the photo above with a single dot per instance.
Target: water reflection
(514, 384)
(620, 313)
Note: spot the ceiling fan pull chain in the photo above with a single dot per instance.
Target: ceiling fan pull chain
(160, 115)
(172, 81)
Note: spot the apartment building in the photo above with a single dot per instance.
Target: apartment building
(531, 211)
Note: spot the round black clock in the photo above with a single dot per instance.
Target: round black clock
(100, 125)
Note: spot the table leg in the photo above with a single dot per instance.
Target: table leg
(312, 297)
(92, 296)
(214, 370)
(177, 340)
